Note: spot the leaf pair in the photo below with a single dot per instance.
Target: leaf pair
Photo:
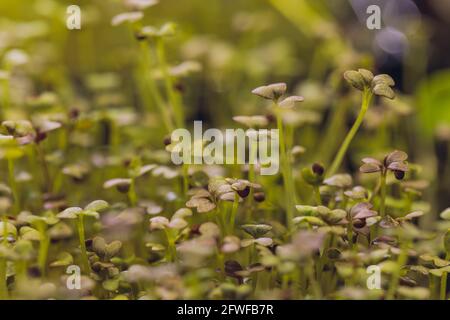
(274, 92)
(379, 85)
(92, 209)
(105, 250)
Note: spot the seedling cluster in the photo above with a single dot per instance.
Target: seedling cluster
(87, 178)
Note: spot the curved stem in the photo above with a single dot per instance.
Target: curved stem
(367, 96)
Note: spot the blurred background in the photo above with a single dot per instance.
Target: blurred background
(222, 49)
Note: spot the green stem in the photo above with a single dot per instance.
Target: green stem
(344, 200)
(13, 184)
(3, 263)
(132, 196)
(317, 195)
(334, 129)
(314, 285)
(233, 212)
(172, 252)
(43, 250)
(173, 97)
(45, 170)
(287, 174)
(251, 162)
(367, 96)
(432, 286)
(3, 284)
(383, 194)
(185, 170)
(323, 260)
(6, 98)
(220, 264)
(350, 233)
(251, 175)
(81, 236)
(443, 288)
(152, 87)
(402, 259)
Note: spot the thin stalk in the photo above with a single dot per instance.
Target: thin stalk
(402, 259)
(443, 288)
(3, 263)
(383, 194)
(314, 285)
(43, 250)
(432, 286)
(334, 129)
(6, 102)
(224, 217)
(13, 185)
(185, 172)
(132, 196)
(3, 284)
(251, 162)
(152, 87)
(45, 170)
(317, 195)
(323, 260)
(81, 236)
(251, 174)
(220, 263)
(218, 217)
(173, 97)
(344, 200)
(172, 252)
(286, 173)
(233, 212)
(367, 96)
(350, 233)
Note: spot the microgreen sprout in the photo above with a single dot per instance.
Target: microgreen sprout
(274, 92)
(362, 80)
(79, 214)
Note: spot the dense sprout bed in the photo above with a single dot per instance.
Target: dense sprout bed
(92, 206)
